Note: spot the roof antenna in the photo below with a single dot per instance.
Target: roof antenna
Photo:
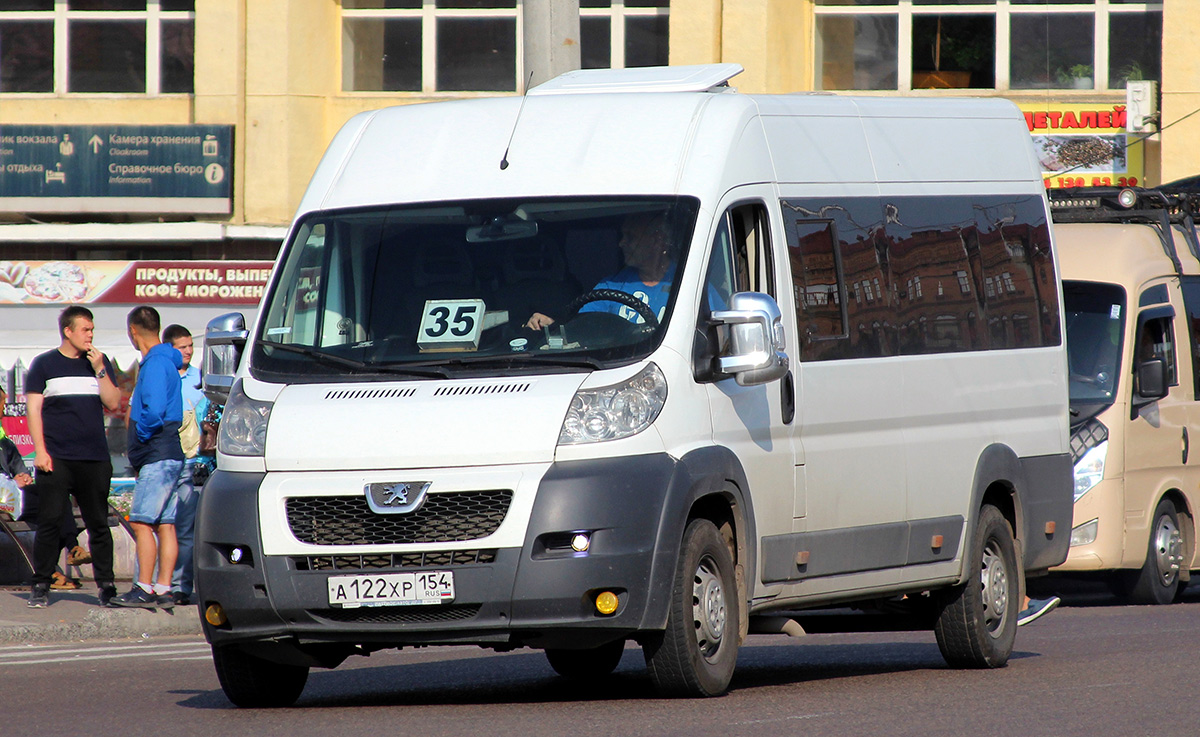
(524, 96)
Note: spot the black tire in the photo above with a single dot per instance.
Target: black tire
(1158, 580)
(696, 654)
(977, 625)
(254, 683)
(590, 664)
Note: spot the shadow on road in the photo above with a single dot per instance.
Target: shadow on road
(526, 678)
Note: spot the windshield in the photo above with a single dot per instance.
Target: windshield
(1095, 328)
(475, 286)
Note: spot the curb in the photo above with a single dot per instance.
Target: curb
(107, 624)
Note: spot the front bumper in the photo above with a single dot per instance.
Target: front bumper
(536, 595)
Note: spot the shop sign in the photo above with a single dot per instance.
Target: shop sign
(1082, 145)
(133, 282)
(116, 168)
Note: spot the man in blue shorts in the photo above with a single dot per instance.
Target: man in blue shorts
(66, 391)
(155, 414)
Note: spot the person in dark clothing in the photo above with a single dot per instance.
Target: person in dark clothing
(155, 415)
(66, 391)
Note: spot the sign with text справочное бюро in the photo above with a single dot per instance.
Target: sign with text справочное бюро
(116, 168)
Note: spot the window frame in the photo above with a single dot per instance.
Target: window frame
(153, 16)
(905, 10)
(429, 14)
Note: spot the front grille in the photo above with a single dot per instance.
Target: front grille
(445, 517)
(427, 614)
(438, 558)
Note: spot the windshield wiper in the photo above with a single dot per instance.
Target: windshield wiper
(314, 353)
(512, 359)
(356, 364)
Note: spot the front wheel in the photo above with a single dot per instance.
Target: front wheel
(1158, 580)
(697, 652)
(978, 622)
(588, 664)
(252, 682)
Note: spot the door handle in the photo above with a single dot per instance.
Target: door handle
(1185, 446)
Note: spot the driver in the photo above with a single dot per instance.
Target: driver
(647, 275)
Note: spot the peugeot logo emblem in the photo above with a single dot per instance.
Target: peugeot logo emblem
(398, 497)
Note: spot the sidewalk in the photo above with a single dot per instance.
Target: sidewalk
(75, 615)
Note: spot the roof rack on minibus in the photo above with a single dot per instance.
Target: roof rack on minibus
(1157, 208)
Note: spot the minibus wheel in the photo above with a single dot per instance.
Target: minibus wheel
(587, 664)
(1158, 579)
(254, 683)
(697, 652)
(977, 625)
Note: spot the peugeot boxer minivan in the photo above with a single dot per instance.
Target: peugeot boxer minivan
(640, 359)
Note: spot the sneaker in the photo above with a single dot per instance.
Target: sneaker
(135, 597)
(1036, 609)
(107, 593)
(165, 601)
(181, 599)
(39, 596)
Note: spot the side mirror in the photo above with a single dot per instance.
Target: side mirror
(756, 346)
(224, 339)
(1152, 380)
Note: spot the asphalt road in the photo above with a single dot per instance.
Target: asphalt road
(1091, 668)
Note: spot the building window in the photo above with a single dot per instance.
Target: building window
(986, 44)
(475, 45)
(105, 46)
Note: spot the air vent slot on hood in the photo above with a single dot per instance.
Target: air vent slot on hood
(371, 393)
(480, 389)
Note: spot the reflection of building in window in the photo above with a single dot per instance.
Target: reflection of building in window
(468, 45)
(964, 284)
(100, 46)
(1018, 45)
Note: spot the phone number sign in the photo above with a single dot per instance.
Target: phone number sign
(116, 168)
(1084, 145)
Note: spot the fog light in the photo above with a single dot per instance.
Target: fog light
(580, 542)
(606, 602)
(236, 555)
(215, 615)
(1127, 198)
(1085, 534)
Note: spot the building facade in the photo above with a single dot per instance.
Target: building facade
(273, 80)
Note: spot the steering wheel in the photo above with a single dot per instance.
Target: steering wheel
(612, 295)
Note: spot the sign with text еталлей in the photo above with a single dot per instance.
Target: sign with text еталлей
(116, 168)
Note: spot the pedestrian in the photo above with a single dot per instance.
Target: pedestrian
(195, 409)
(155, 415)
(66, 391)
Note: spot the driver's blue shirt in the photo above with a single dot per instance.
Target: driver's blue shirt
(627, 280)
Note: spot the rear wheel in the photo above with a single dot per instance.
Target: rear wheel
(978, 622)
(1158, 580)
(696, 654)
(589, 664)
(252, 682)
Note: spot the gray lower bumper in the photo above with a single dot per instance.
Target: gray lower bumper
(539, 595)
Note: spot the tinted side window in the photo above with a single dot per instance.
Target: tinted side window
(1191, 301)
(1156, 339)
(923, 274)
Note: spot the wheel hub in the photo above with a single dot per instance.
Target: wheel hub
(1168, 550)
(994, 577)
(708, 608)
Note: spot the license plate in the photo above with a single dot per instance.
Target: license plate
(392, 589)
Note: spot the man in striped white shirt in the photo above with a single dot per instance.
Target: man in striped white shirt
(66, 391)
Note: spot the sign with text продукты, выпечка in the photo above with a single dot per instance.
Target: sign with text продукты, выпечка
(116, 168)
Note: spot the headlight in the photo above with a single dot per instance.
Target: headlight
(1085, 534)
(617, 411)
(243, 424)
(1090, 469)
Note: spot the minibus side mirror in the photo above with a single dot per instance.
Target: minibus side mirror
(756, 339)
(224, 339)
(1151, 380)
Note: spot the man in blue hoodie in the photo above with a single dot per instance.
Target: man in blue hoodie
(155, 414)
